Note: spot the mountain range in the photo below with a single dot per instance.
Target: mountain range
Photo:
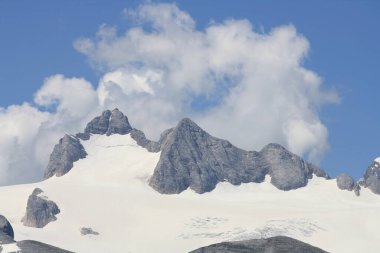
(110, 189)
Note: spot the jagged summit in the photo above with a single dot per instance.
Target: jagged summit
(69, 149)
(190, 157)
(187, 123)
(65, 153)
(110, 122)
(372, 176)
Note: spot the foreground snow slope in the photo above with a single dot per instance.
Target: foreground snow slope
(108, 192)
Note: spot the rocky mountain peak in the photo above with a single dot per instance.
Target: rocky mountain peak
(191, 158)
(187, 128)
(187, 123)
(273, 147)
(372, 176)
(65, 153)
(109, 122)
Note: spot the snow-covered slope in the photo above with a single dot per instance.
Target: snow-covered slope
(108, 192)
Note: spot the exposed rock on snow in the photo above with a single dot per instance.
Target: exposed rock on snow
(8, 245)
(39, 211)
(29, 246)
(287, 170)
(190, 157)
(372, 177)
(83, 136)
(6, 231)
(142, 141)
(345, 182)
(278, 244)
(65, 153)
(108, 123)
(99, 125)
(88, 231)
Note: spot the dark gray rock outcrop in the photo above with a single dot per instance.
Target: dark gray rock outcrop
(99, 125)
(88, 231)
(278, 244)
(190, 157)
(151, 146)
(108, 123)
(29, 246)
(65, 153)
(345, 182)
(83, 136)
(287, 170)
(372, 177)
(6, 231)
(142, 141)
(39, 210)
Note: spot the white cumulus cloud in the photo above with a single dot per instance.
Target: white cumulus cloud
(29, 132)
(238, 83)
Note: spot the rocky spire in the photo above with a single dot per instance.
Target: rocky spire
(108, 123)
(372, 176)
(65, 153)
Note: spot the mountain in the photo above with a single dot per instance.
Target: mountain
(372, 177)
(190, 157)
(110, 189)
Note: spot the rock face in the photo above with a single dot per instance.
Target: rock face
(141, 140)
(287, 170)
(7, 236)
(108, 123)
(190, 157)
(278, 244)
(69, 149)
(29, 246)
(372, 177)
(345, 182)
(6, 231)
(39, 210)
(65, 153)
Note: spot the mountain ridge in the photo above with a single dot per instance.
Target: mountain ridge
(108, 192)
(201, 171)
(191, 158)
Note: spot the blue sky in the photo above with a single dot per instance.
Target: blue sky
(37, 41)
